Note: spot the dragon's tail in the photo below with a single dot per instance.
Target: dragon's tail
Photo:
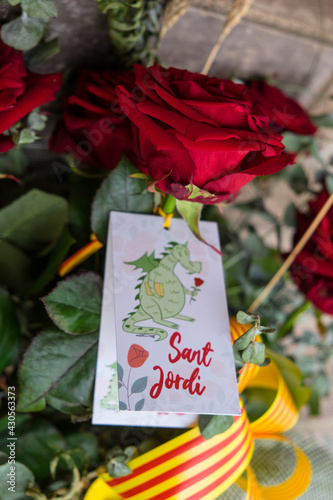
(130, 327)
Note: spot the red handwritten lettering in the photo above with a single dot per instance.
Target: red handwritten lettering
(188, 354)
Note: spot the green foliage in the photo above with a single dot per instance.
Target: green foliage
(65, 375)
(23, 33)
(10, 331)
(43, 9)
(129, 196)
(23, 479)
(118, 459)
(134, 29)
(211, 425)
(37, 446)
(246, 349)
(42, 52)
(34, 221)
(26, 31)
(75, 304)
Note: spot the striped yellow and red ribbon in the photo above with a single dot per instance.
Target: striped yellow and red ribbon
(191, 468)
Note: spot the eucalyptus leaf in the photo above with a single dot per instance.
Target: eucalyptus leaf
(23, 479)
(289, 216)
(129, 196)
(27, 136)
(10, 331)
(210, 425)
(329, 183)
(75, 304)
(323, 120)
(39, 8)
(254, 353)
(245, 339)
(62, 360)
(117, 469)
(23, 33)
(266, 329)
(34, 221)
(243, 318)
(42, 52)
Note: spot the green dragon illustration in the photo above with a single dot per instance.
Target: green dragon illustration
(161, 293)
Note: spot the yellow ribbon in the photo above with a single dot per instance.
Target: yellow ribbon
(191, 468)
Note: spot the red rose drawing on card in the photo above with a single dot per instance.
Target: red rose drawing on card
(136, 357)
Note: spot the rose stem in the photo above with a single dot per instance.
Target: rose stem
(287, 263)
(169, 204)
(128, 396)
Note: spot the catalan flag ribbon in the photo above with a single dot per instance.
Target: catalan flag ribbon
(192, 468)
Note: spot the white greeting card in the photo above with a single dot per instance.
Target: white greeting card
(165, 351)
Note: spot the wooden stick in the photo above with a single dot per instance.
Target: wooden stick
(238, 11)
(287, 263)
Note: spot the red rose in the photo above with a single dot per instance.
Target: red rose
(137, 356)
(94, 129)
(20, 91)
(312, 270)
(198, 281)
(284, 113)
(191, 131)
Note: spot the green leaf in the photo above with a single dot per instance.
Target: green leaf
(191, 213)
(39, 8)
(257, 401)
(55, 258)
(23, 33)
(118, 469)
(323, 120)
(122, 405)
(26, 136)
(42, 52)
(37, 121)
(37, 446)
(10, 331)
(34, 221)
(139, 385)
(244, 340)
(329, 183)
(139, 405)
(293, 378)
(23, 478)
(266, 329)
(129, 196)
(75, 304)
(210, 425)
(289, 216)
(243, 318)
(254, 353)
(15, 267)
(87, 441)
(14, 2)
(65, 375)
(14, 162)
